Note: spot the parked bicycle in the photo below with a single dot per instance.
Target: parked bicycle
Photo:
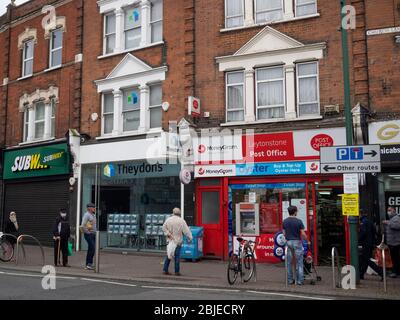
(243, 262)
(6, 249)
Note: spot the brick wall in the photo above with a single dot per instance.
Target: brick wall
(67, 78)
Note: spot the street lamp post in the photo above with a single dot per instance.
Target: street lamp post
(352, 221)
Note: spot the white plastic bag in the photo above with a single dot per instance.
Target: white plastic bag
(171, 246)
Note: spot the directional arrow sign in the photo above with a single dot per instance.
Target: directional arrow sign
(350, 159)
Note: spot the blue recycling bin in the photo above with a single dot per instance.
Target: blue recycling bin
(193, 251)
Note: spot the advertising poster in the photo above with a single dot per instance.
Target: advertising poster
(393, 200)
(269, 217)
(301, 205)
(264, 249)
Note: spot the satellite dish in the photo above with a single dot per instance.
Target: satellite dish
(165, 106)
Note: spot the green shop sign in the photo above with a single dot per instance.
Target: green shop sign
(36, 162)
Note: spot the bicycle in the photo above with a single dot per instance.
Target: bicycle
(6, 249)
(243, 263)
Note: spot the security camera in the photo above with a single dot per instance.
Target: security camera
(84, 137)
(397, 39)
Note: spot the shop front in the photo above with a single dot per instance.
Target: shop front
(387, 134)
(36, 187)
(134, 193)
(250, 196)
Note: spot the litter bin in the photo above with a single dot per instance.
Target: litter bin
(193, 251)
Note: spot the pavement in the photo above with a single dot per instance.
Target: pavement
(147, 268)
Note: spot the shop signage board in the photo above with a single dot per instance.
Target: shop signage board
(351, 159)
(393, 200)
(390, 153)
(37, 162)
(384, 132)
(350, 204)
(350, 183)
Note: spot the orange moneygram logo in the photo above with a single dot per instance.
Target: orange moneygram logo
(388, 131)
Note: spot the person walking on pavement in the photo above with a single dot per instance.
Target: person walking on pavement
(61, 233)
(392, 231)
(12, 227)
(89, 228)
(293, 230)
(366, 238)
(174, 228)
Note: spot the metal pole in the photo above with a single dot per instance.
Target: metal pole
(353, 221)
(333, 268)
(97, 252)
(384, 269)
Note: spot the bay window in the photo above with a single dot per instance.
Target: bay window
(270, 93)
(235, 98)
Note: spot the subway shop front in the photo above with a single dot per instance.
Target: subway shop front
(36, 187)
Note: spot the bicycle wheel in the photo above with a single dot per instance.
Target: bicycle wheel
(233, 268)
(249, 265)
(6, 251)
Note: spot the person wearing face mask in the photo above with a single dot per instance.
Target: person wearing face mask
(12, 227)
(61, 233)
(392, 231)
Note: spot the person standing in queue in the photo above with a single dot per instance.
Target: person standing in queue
(89, 228)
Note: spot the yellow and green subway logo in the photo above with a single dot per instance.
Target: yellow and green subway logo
(28, 163)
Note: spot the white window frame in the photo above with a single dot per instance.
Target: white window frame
(28, 59)
(136, 6)
(283, 79)
(296, 5)
(103, 113)
(26, 125)
(243, 84)
(152, 22)
(154, 106)
(226, 15)
(35, 121)
(55, 49)
(53, 118)
(107, 35)
(298, 91)
(268, 10)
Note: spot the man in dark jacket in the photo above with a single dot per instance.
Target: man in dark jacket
(12, 228)
(367, 241)
(392, 230)
(61, 233)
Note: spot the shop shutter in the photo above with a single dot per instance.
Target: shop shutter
(37, 205)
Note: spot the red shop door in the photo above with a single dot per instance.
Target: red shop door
(210, 212)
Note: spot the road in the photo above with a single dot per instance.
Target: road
(28, 286)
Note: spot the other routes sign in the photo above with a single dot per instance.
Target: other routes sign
(350, 159)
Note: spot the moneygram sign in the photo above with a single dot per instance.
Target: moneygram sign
(36, 162)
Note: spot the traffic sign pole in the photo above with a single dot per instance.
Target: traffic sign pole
(353, 222)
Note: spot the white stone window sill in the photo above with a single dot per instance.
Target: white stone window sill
(104, 56)
(53, 68)
(25, 77)
(242, 123)
(36, 141)
(270, 23)
(130, 134)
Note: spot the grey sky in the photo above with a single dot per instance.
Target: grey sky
(4, 3)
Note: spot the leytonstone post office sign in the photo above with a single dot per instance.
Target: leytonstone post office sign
(36, 162)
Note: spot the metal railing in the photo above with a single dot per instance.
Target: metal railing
(19, 241)
(286, 265)
(335, 255)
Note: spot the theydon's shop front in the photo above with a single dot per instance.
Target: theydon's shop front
(36, 187)
(134, 186)
(244, 185)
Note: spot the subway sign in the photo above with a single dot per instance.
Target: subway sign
(36, 162)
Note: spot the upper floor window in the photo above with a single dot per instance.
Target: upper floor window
(156, 21)
(247, 13)
(56, 46)
(109, 33)
(234, 13)
(235, 99)
(268, 10)
(108, 113)
(270, 93)
(133, 27)
(130, 25)
(307, 88)
(27, 58)
(131, 109)
(305, 7)
(39, 121)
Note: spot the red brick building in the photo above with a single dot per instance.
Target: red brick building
(40, 100)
